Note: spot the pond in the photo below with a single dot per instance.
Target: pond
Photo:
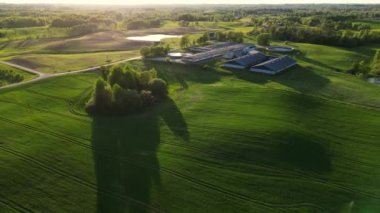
(374, 80)
(152, 38)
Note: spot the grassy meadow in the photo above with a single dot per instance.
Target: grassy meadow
(227, 141)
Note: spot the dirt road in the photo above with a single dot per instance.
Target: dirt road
(41, 76)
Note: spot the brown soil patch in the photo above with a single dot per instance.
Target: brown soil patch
(26, 63)
(101, 41)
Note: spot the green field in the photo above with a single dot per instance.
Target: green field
(231, 142)
(56, 63)
(375, 24)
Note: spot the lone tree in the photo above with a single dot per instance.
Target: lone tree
(263, 39)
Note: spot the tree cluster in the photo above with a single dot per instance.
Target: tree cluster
(123, 90)
(263, 39)
(375, 66)
(83, 29)
(18, 22)
(69, 21)
(154, 51)
(10, 76)
(230, 36)
(322, 36)
(143, 24)
(360, 68)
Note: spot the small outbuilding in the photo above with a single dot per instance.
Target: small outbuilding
(274, 66)
(246, 61)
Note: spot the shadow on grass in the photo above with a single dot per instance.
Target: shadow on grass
(317, 63)
(182, 73)
(303, 151)
(125, 156)
(299, 78)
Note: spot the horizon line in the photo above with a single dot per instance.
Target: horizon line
(180, 4)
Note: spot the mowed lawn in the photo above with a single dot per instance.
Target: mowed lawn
(56, 63)
(223, 142)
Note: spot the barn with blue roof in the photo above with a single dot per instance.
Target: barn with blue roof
(274, 66)
(246, 61)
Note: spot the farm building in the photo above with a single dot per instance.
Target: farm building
(211, 47)
(274, 66)
(246, 61)
(215, 53)
(239, 53)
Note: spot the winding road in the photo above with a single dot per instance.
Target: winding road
(41, 75)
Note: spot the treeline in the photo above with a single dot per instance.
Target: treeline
(124, 90)
(83, 29)
(319, 36)
(335, 22)
(142, 24)
(230, 36)
(75, 20)
(18, 22)
(10, 76)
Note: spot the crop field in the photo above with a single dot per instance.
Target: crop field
(279, 146)
(56, 63)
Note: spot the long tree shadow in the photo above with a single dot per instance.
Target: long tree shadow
(125, 155)
(299, 78)
(303, 151)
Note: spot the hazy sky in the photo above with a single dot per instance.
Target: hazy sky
(190, 1)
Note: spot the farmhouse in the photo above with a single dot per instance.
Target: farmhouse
(246, 61)
(274, 66)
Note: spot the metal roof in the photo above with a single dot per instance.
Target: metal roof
(251, 59)
(276, 64)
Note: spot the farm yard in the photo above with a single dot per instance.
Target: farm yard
(223, 140)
